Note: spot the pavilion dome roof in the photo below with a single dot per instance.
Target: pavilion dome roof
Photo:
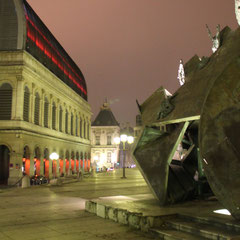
(105, 117)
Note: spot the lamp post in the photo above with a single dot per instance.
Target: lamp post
(124, 139)
(54, 156)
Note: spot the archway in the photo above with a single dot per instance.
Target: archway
(4, 164)
(26, 161)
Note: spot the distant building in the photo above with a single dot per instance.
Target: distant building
(43, 100)
(104, 129)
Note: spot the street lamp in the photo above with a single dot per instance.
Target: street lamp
(54, 156)
(124, 138)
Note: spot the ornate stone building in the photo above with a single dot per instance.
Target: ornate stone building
(43, 100)
(103, 131)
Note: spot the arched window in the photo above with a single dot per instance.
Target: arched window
(76, 126)
(71, 124)
(26, 104)
(46, 108)
(54, 116)
(36, 109)
(66, 122)
(81, 127)
(5, 102)
(60, 118)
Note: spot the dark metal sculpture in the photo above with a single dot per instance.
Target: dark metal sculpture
(196, 142)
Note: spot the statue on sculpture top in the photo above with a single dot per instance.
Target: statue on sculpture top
(237, 10)
(181, 73)
(216, 39)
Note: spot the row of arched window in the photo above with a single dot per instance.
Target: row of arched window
(61, 119)
(74, 124)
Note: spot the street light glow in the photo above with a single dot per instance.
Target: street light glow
(54, 156)
(117, 140)
(124, 138)
(130, 139)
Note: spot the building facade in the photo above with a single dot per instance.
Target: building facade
(104, 129)
(43, 100)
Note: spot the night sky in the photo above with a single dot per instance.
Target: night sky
(127, 49)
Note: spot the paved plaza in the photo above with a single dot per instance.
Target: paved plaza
(57, 212)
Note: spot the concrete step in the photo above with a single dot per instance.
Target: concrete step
(205, 230)
(232, 226)
(172, 234)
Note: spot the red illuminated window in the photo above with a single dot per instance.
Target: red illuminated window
(40, 40)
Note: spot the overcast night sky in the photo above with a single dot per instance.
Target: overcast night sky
(127, 49)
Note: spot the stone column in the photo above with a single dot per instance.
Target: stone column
(15, 167)
(69, 122)
(81, 127)
(17, 103)
(31, 113)
(31, 164)
(64, 166)
(41, 164)
(41, 113)
(50, 112)
(64, 120)
(50, 169)
(32, 108)
(78, 128)
(74, 123)
(83, 167)
(41, 107)
(75, 169)
(57, 115)
(57, 170)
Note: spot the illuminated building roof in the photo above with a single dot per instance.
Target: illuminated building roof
(22, 29)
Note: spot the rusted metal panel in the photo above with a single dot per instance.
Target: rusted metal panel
(220, 138)
(153, 153)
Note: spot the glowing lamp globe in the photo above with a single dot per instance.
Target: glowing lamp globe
(54, 156)
(130, 139)
(123, 138)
